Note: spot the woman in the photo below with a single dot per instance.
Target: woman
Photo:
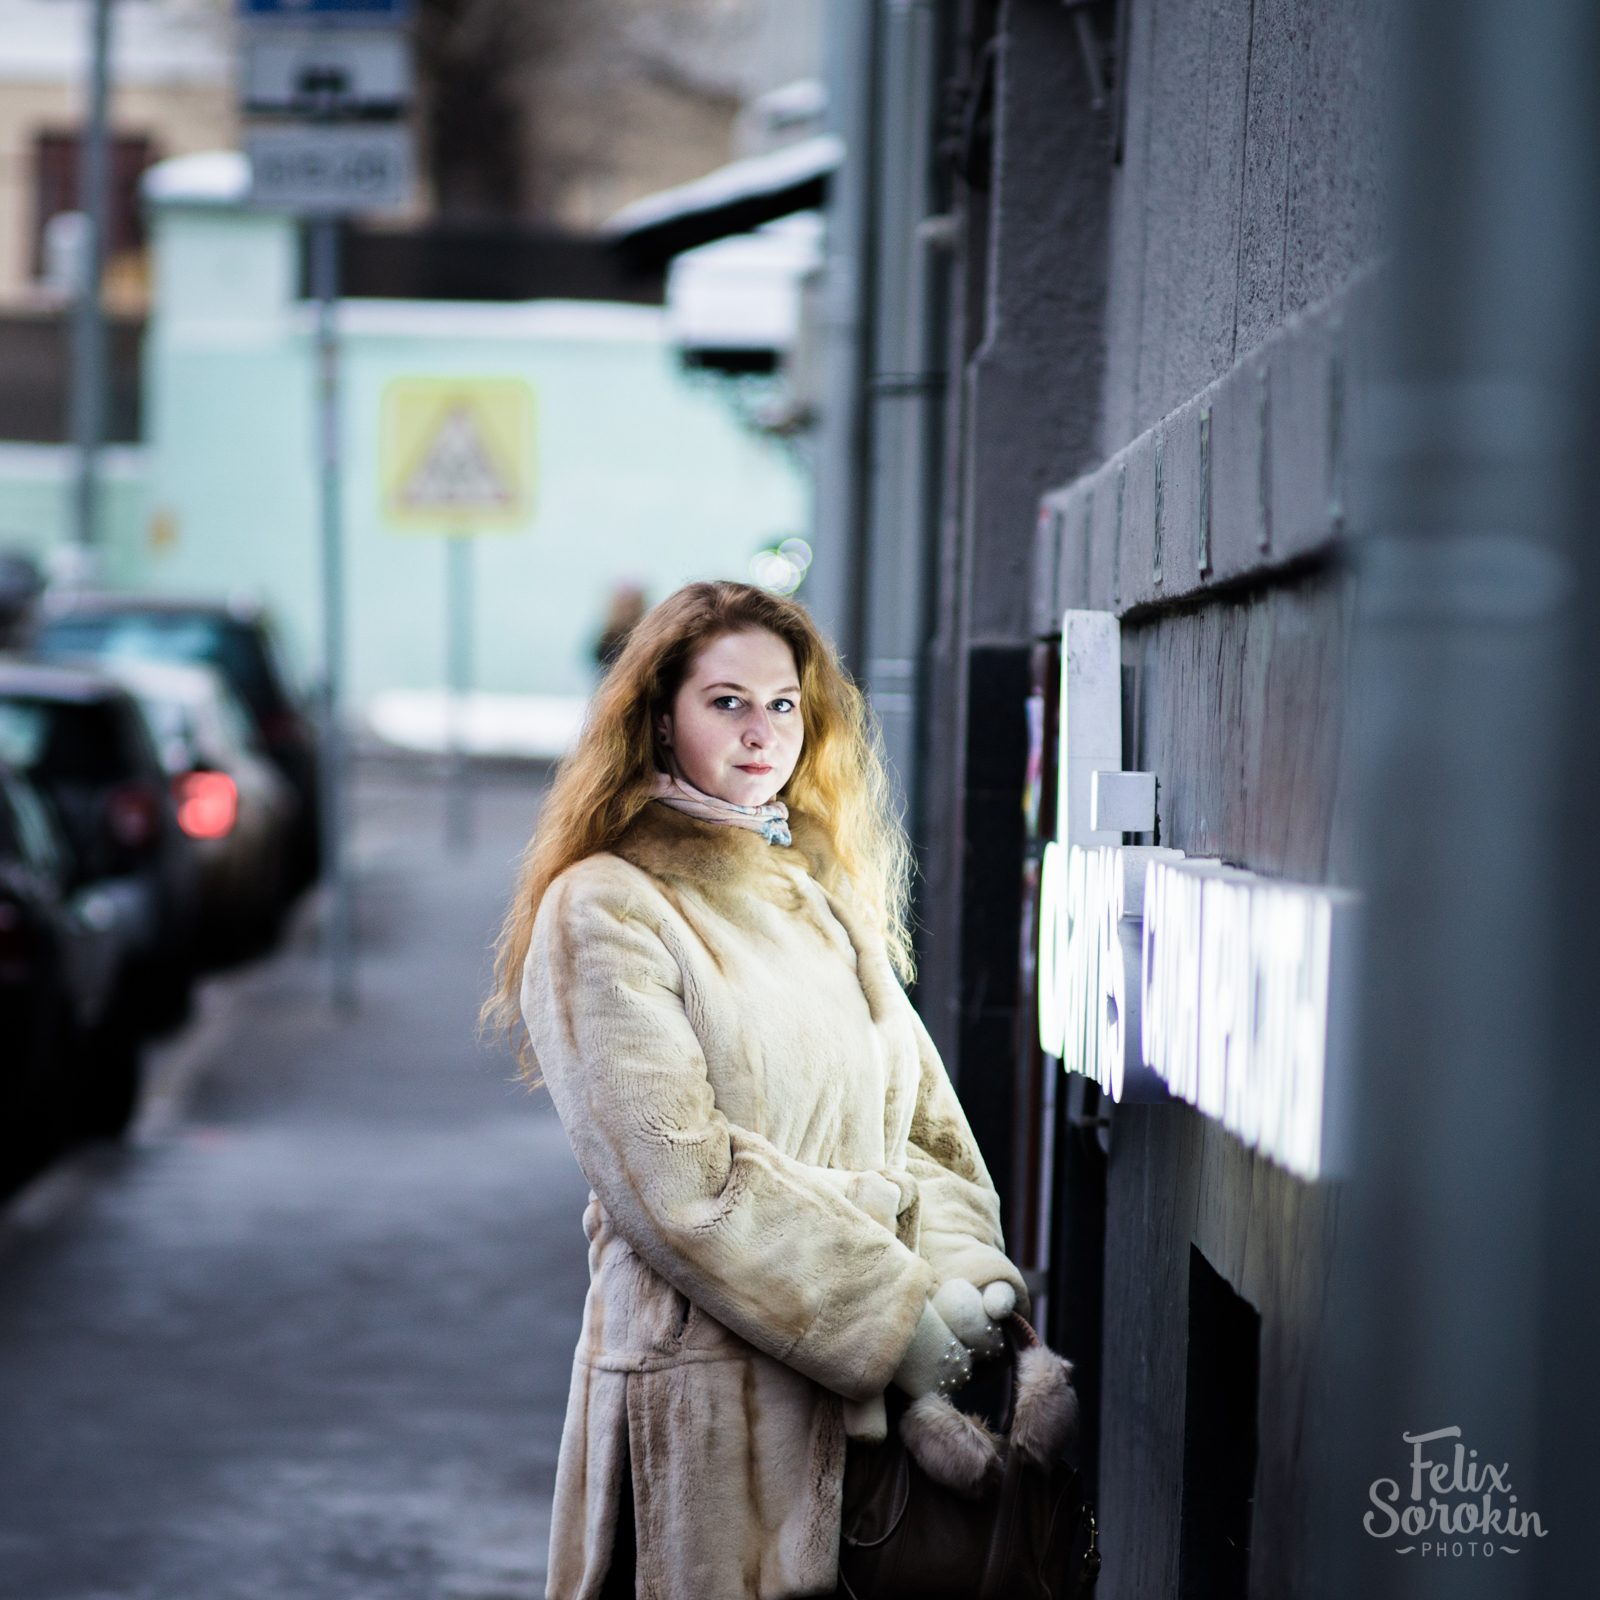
(704, 949)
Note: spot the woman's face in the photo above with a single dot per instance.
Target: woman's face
(735, 724)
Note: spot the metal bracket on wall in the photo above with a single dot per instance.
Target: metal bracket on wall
(1097, 1121)
(907, 383)
(1122, 802)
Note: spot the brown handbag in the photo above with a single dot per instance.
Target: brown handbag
(1009, 1521)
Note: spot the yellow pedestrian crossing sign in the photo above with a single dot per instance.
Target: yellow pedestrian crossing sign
(456, 454)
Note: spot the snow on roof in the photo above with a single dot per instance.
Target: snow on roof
(801, 101)
(743, 293)
(752, 179)
(211, 178)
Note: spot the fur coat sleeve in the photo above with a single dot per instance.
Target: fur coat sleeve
(959, 1211)
(766, 1243)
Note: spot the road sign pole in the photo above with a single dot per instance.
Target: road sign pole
(458, 649)
(88, 316)
(324, 232)
(335, 75)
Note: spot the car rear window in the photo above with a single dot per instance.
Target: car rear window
(25, 828)
(236, 649)
(68, 740)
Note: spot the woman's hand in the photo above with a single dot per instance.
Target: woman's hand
(975, 1315)
(936, 1361)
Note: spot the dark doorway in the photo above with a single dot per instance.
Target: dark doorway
(1219, 1438)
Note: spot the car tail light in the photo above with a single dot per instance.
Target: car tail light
(133, 814)
(16, 953)
(208, 804)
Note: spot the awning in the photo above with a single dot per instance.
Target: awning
(734, 199)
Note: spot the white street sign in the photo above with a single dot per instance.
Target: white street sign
(331, 169)
(326, 70)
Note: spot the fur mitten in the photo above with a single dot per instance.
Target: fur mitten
(1044, 1419)
(960, 1452)
(934, 1360)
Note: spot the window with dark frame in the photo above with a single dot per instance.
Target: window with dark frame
(55, 189)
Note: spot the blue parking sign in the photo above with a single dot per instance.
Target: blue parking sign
(329, 13)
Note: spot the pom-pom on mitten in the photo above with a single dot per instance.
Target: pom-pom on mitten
(999, 1300)
(961, 1305)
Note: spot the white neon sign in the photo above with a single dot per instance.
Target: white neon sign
(1090, 950)
(1227, 986)
(1243, 1005)
(1163, 975)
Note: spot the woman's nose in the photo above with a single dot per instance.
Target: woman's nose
(758, 730)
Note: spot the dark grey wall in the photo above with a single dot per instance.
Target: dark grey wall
(1244, 234)
(1026, 355)
(1248, 190)
(1239, 706)
(1176, 1178)
(1032, 406)
(1148, 347)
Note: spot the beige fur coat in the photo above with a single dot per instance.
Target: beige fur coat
(782, 1174)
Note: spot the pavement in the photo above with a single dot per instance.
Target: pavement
(309, 1333)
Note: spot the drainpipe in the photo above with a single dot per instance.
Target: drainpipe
(836, 582)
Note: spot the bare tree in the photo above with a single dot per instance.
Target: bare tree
(565, 108)
(476, 60)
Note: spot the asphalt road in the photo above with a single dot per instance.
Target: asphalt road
(308, 1338)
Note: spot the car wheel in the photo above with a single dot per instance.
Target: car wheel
(108, 1082)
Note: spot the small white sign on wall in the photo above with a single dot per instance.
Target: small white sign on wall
(1091, 721)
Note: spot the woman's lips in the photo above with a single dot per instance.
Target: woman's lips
(756, 770)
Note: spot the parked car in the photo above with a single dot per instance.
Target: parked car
(231, 800)
(21, 585)
(238, 643)
(33, 1001)
(70, 1061)
(79, 737)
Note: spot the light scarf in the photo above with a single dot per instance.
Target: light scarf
(771, 822)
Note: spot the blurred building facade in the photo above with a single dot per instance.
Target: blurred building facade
(562, 114)
(173, 93)
(529, 110)
(534, 123)
(640, 472)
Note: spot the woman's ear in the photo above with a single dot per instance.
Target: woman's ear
(664, 730)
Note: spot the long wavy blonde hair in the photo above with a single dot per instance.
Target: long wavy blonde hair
(839, 781)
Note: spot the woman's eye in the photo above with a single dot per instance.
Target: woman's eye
(727, 702)
(781, 705)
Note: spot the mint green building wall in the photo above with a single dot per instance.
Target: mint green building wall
(642, 475)
(36, 503)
